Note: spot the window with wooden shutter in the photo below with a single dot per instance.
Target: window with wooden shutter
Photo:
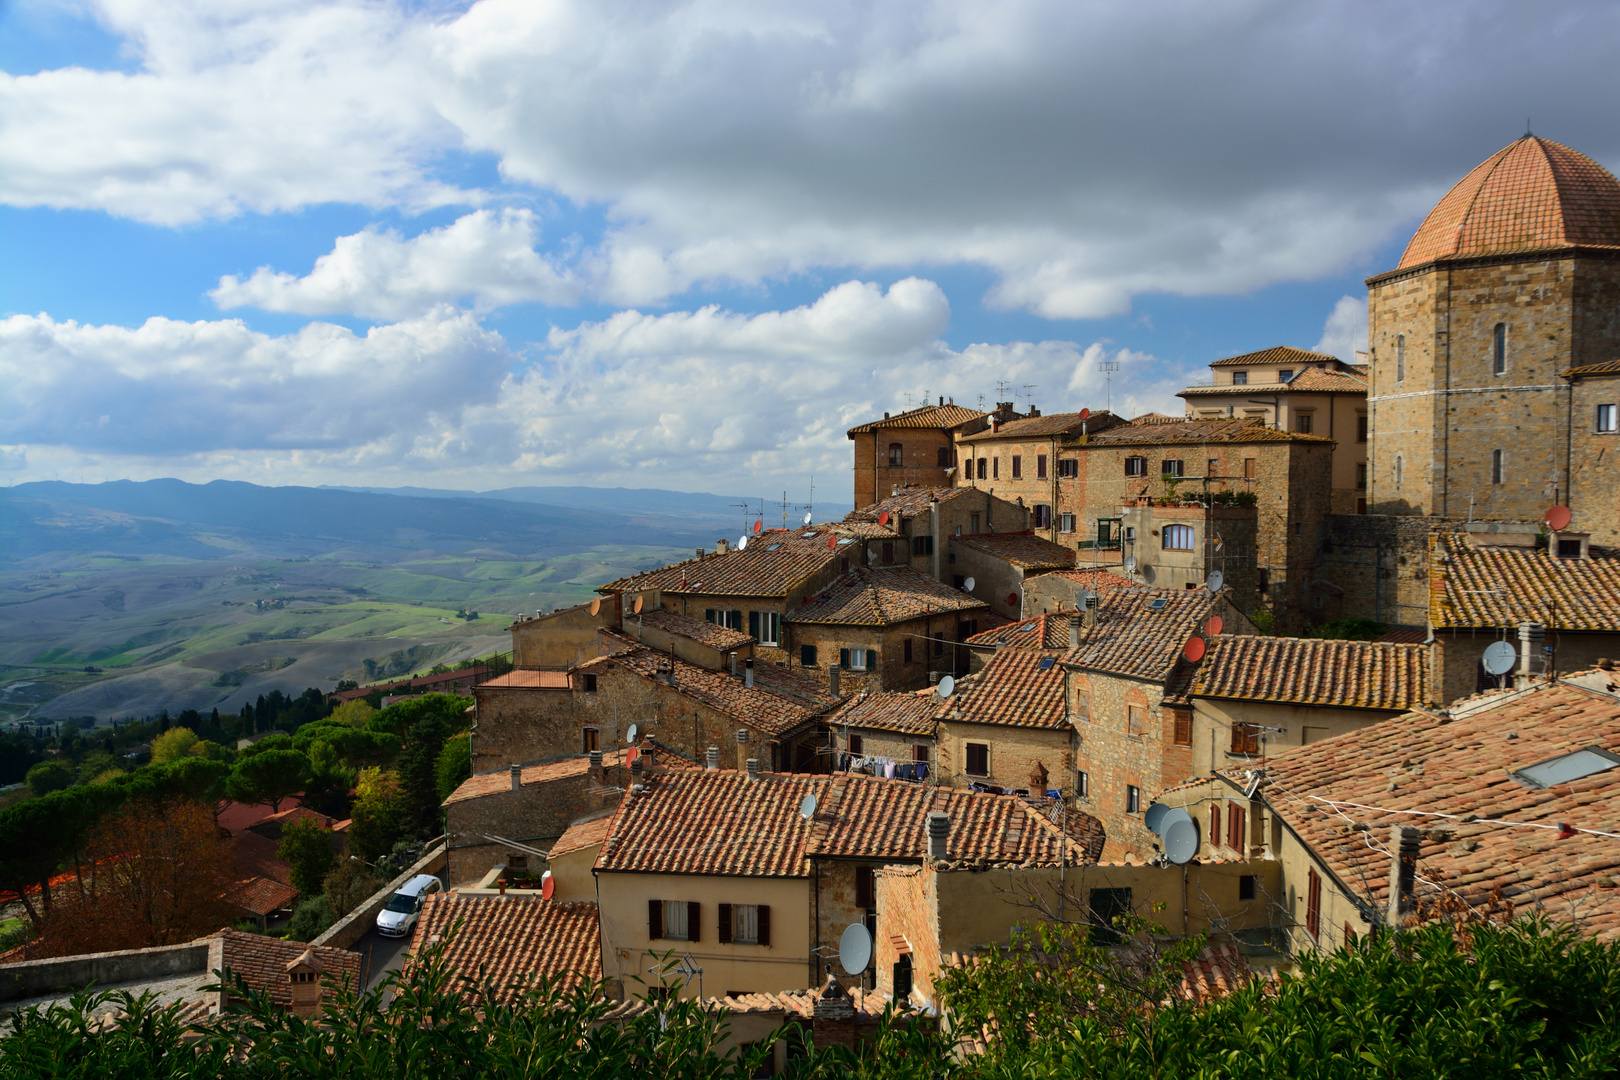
(978, 759)
(871, 660)
(856, 744)
(1236, 819)
(865, 887)
(1135, 721)
(1214, 823)
(655, 920)
(1313, 905)
(753, 625)
(1040, 466)
(735, 622)
(908, 650)
(1018, 466)
(1184, 726)
(762, 925)
(724, 928)
(1245, 739)
(694, 920)
(888, 552)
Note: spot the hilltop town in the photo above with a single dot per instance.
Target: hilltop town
(1325, 657)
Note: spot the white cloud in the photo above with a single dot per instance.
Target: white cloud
(486, 257)
(1345, 331)
(697, 400)
(1083, 153)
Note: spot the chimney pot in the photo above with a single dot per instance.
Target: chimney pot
(1531, 638)
(711, 758)
(832, 679)
(752, 765)
(748, 672)
(1074, 631)
(517, 778)
(1403, 845)
(721, 547)
(942, 400)
(635, 772)
(733, 664)
(939, 834)
(596, 759)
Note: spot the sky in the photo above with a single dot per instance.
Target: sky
(687, 245)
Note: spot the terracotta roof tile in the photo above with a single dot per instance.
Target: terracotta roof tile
(929, 416)
(509, 939)
(1503, 587)
(1280, 354)
(1141, 632)
(1310, 671)
(255, 856)
(1099, 580)
(908, 503)
(1408, 769)
(1046, 426)
(1309, 381)
(1608, 367)
(711, 634)
(718, 822)
(787, 1004)
(1532, 195)
(907, 713)
(528, 679)
(262, 961)
(882, 596)
(582, 834)
(1044, 631)
(1199, 432)
(773, 563)
(1011, 691)
(261, 896)
(1021, 549)
(490, 783)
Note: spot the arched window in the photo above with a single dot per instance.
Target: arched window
(1499, 350)
(897, 456)
(1400, 468)
(1400, 357)
(1496, 466)
(1178, 537)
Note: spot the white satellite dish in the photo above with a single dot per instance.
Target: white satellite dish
(807, 517)
(1154, 818)
(1181, 841)
(1130, 565)
(1499, 658)
(855, 949)
(1170, 817)
(630, 736)
(807, 808)
(1216, 580)
(947, 686)
(742, 542)
(967, 585)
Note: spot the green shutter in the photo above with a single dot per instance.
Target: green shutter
(843, 659)
(753, 625)
(736, 620)
(871, 659)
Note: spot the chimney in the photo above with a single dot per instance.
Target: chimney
(1074, 631)
(752, 765)
(748, 672)
(721, 547)
(517, 778)
(832, 679)
(699, 552)
(733, 657)
(635, 773)
(1403, 846)
(942, 401)
(1532, 636)
(304, 975)
(711, 758)
(1091, 609)
(939, 834)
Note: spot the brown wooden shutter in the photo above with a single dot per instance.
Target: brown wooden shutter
(1313, 905)
(655, 920)
(725, 925)
(865, 887)
(1214, 823)
(764, 924)
(1184, 727)
(694, 920)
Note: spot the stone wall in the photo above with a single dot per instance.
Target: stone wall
(519, 724)
(1380, 565)
(534, 816)
(558, 641)
(1594, 493)
(1114, 757)
(920, 447)
(933, 649)
(1018, 755)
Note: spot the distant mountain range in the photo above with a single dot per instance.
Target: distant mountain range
(204, 521)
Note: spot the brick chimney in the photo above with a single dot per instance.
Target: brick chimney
(1074, 631)
(748, 672)
(721, 547)
(832, 679)
(1403, 846)
(304, 979)
(833, 1020)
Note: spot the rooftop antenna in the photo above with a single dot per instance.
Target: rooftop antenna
(1029, 394)
(1001, 388)
(1108, 367)
(809, 508)
(786, 506)
(744, 507)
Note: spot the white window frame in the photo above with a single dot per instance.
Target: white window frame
(745, 924)
(1065, 523)
(675, 924)
(770, 628)
(1133, 799)
(1607, 420)
(1135, 465)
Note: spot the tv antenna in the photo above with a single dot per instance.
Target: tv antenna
(1108, 367)
(809, 508)
(1002, 386)
(745, 507)
(1029, 394)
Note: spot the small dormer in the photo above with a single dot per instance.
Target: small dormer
(304, 979)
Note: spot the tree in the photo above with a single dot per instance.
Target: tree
(268, 777)
(453, 765)
(310, 919)
(378, 814)
(306, 846)
(329, 781)
(173, 745)
(353, 713)
(49, 776)
(347, 885)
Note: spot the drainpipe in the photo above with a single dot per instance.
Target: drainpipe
(933, 525)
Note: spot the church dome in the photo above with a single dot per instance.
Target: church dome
(1532, 195)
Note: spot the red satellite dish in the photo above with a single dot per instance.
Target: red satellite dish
(1012, 599)
(1214, 626)
(832, 542)
(1194, 649)
(637, 608)
(548, 885)
(631, 754)
(1085, 414)
(596, 605)
(758, 525)
(1557, 518)
(883, 518)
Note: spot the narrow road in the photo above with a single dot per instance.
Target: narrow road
(381, 955)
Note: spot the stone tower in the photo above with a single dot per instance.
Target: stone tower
(1511, 280)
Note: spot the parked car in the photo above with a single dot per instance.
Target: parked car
(398, 916)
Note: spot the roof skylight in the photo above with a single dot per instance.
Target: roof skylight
(1566, 768)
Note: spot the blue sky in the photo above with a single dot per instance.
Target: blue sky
(685, 245)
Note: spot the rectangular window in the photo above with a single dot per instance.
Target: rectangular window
(1569, 549)
(1302, 423)
(1135, 721)
(943, 457)
(1214, 823)
(1313, 905)
(981, 468)
(807, 656)
(1133, 799)
(1606, 419)
(1361, 427)
(1400, 357)
(902, 977)
(1068, 468)
(1040, 466)
(857, 659)
(922, 545)
(1245, 739)
(1263, 579)
(765, 626)
(1251, 468)
(1496, 466)
(897, 455)
(888, 552)
(973, 524)
(920, 753)
(1082, 785)
(1135, 466)
(1107, 907)
(995, 468)
(857, 744)
(745, 924)
(1184, 725)
(907, 651)
(1240, 378)
(1066, 523)
(590, 683)
(1285, 375)
(1236, 819)
(865, 887)
(1171, 467)
(1178, 537)
(1499, 349)
(1361, 476)
(1018, 466)
(1043, 516)
(978, 759)
(1248, 887)
(1212, 467)
(591, 740)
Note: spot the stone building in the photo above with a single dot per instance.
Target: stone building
(1295, 390)
(1183, 546)
(922, 521)
(1594, 434)
(1513, 278)
(1005, 730)
(887, 628)
(1023, 461)
(524, 716)
(916, 448)
(1000, 564)
(889, 728)
(562, 638)
(1063, 590)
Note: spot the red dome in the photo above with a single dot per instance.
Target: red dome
(1532, 195)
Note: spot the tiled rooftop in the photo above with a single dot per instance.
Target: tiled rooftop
(1503, 587)
(583, 834)
(929, 416)
(1608, 367)
(1046, 426)
(512, 940)
(262, 961)
(528, 679)
(882, 596)
(719, 822)
(1309, 381)
(1011, 691)
(908, 503)
(1131, 638)
(800, 1004)
(909, 713)
(253, 855)
(1532, 195)
(1310, 671)
(261, 896)
(773, 563)
(1046, 631)
(711, 634)
(1024, 550)
(1099, 580)
(1409, 769)
(1282, 355)
(490, 783)
(1199, 432)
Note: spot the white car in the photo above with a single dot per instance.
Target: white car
(398, 916)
